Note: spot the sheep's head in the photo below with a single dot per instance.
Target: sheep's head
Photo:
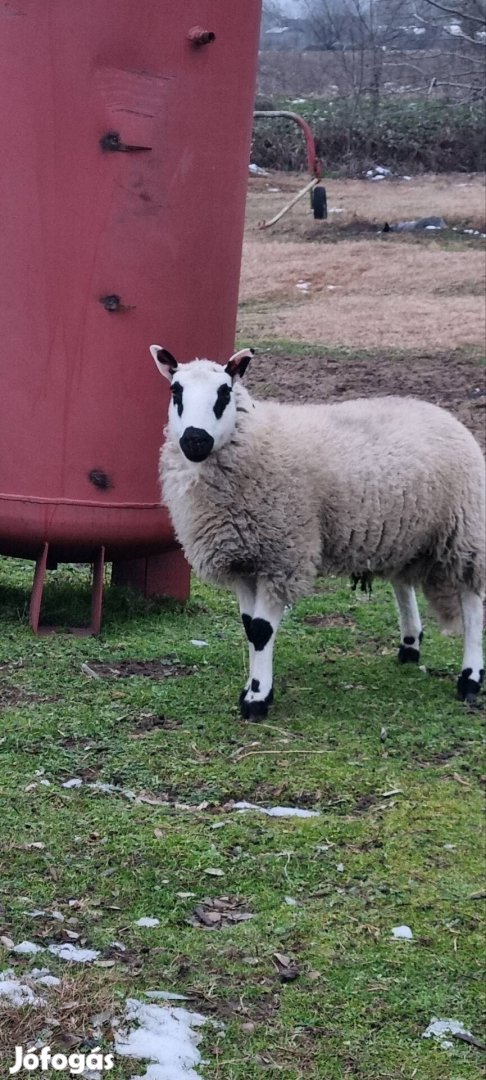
(202, 413)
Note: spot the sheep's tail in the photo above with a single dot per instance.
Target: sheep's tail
(444, 602)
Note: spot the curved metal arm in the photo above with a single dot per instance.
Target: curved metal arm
(313, 162)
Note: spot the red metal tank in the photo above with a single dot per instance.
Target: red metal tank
(125, 133)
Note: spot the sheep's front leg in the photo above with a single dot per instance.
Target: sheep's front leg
(245, 589)
(260, 630)
(411, 633)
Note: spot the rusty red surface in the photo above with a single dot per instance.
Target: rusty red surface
(125, 155)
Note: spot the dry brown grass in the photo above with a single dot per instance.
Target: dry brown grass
(66, 1020)
(456, 197)
(375, 291)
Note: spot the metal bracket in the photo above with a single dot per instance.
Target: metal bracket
(96, 596)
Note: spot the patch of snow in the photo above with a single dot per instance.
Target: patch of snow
(450, 847)
(165, 1036)
(27, 948)
(402, 932)
(378, 172)
(44, 977)
(164, 995)
(16, 992)
(198, 643)
(256, 170)
(340, 868)
(73, 953)
(74, 782)
(34, 914)
(147, 921)
(290, 901)
(276, 811)
(438, 1029)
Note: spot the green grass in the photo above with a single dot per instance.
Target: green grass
(348, 726)
(474, 354)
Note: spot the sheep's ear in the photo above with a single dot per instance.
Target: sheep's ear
(165, 362)
(238, 363)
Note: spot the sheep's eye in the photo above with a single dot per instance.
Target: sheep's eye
(177, 396)
(223, 398)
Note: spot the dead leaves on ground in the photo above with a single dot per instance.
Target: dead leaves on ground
(287, 970)
(217, 913)
(167, 668)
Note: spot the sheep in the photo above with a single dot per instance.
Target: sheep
(265, 496)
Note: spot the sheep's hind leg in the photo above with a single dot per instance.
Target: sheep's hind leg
(411, 632)
(472, 674)
(261, 630)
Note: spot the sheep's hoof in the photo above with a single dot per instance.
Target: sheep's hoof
(468, 689)
(254, 710)
(408, 655)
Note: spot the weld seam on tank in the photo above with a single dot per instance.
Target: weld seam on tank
(80, 502)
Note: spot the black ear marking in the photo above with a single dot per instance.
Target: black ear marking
(165, 357)
(238, 363)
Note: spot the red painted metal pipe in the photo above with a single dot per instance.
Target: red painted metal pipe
(313, 162)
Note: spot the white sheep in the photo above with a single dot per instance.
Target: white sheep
(265, 496)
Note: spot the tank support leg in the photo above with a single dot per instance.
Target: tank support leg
(96, 596)
(167, 574)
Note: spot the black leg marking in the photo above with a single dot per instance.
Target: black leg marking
(260, 633)
(255, 710)
(468, 689)
(255, 686)
(247, 621)
(407, 653)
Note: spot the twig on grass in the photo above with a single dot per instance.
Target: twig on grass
(465, 1037)
(278, 753)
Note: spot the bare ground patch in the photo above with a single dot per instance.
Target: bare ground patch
(329, 621)
(150, 669)
(444, 378)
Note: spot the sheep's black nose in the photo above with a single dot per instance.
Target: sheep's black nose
(196, 444)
